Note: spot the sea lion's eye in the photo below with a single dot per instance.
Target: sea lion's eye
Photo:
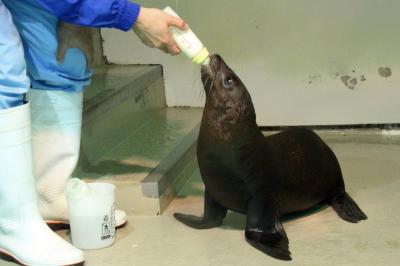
(228, 82)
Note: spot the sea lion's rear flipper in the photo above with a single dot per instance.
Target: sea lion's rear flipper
(265, 232)
(213, 216)
(347, 209)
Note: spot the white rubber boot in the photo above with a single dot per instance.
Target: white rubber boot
(24, 236)
(56, 133)
(56, 125)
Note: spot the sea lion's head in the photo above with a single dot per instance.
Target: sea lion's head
(227, 99)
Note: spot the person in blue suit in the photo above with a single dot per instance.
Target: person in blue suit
(41, 113)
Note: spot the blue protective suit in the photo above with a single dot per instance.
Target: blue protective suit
(119, 14)
(34, 22)
(13, 79)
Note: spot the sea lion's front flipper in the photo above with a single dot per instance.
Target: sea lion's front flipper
(264, 230)
(213, 216)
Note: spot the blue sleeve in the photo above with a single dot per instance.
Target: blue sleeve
(119, 14)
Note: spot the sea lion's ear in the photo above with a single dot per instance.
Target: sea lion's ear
(264, 230)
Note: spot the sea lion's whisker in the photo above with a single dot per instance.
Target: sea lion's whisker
(212, 84)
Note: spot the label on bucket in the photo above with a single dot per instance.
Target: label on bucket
(108, 225)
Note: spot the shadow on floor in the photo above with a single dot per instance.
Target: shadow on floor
(237, 221)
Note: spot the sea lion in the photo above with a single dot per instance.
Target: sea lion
(262, 177)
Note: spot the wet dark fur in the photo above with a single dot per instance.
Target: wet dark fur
(263, 177)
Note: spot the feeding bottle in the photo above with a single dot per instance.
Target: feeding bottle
(188, 42)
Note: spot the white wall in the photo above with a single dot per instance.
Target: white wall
(291, 54)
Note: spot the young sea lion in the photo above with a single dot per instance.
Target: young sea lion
(262, 177)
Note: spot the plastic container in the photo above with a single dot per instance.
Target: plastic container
(188, 42)
(91, 214)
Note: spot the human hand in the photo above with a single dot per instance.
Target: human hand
(73, 36)
(152, 27)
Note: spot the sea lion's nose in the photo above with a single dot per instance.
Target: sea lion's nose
(215, 61)
(217, 57)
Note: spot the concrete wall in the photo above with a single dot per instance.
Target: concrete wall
(303, 61)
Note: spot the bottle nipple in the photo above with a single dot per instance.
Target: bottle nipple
(202, 58)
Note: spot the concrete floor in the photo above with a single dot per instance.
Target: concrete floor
(372, 176)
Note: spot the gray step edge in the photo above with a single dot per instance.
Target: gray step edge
(162, 176)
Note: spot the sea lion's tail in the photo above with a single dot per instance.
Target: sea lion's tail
(347, 209)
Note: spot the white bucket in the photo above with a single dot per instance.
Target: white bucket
(91, 214)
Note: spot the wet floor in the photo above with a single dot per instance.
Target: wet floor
(372, 176)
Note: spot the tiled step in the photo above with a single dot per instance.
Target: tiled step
(113, 85)
(149, 151)
(132, 140)
(117, 102)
